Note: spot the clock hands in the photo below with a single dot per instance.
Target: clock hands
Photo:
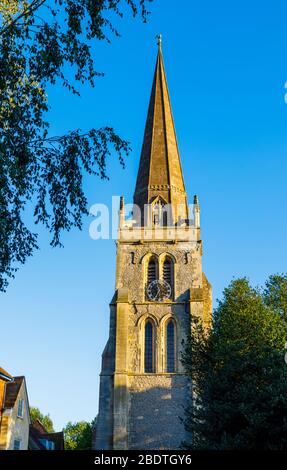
(159, 290)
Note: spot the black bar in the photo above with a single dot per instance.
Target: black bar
(128, 459)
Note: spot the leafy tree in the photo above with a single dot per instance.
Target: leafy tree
(78, 436)
(43, 43)
(275, 294)
(239, 375)
(35, 414)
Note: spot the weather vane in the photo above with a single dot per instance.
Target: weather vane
(159, 40)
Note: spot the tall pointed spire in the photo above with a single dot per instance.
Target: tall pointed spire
(160, 173)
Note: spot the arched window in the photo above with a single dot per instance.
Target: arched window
(151, 270)
(149, 348)
(167, 272)
(151, 274)
(170, 346)
(156, 214)
(160, 212)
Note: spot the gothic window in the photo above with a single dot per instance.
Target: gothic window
(156, 219)
(149, 348)
(160, 213)
(156, 214)
(170, 346)
(151, 274)
(167, 272)
(151, 270)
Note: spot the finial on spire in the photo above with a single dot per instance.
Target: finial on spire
(159, 40)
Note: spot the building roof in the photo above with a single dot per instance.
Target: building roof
(12, 390)
(39, 426)
(34, 442)
(5, 374)
(160, 172)
(37, 432)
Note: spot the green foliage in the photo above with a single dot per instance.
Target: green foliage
(78, 436)
(42, 44)
(275, 294)
(239, 375)
(35, 413)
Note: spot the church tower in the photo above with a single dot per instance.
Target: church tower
(159, 285)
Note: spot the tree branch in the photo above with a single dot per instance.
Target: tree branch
(30, 9)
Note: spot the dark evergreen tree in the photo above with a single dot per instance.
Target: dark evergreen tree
(239, 375)
(275, 294)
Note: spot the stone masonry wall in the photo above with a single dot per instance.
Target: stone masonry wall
(156, 403)
(144, 409)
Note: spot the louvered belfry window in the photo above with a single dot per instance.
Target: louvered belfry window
(167, 272)
(151, 271)
(149, 348)
(170, 347)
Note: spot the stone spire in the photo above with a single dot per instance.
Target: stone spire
(160, 173)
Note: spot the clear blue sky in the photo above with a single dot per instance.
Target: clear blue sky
(226, 66)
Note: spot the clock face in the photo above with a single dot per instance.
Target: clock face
(158, 291)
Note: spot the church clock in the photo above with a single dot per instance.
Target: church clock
(158, 291)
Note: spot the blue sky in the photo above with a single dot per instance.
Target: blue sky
(226, 67)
